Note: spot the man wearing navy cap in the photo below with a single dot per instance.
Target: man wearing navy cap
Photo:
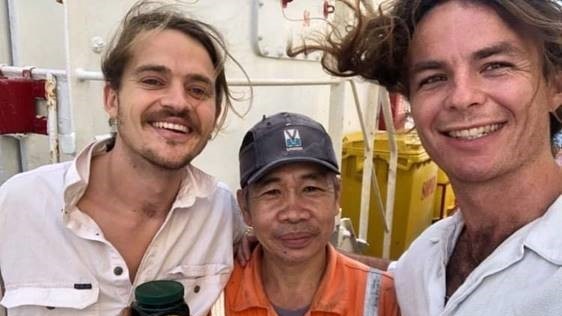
(289, 195)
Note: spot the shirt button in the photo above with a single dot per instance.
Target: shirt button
(196, 289)
(118, 271)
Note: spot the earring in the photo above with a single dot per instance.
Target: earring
(249, 231)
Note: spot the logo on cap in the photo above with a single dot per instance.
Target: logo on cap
(293, 139)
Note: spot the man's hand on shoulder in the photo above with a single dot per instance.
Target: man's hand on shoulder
(243, 249)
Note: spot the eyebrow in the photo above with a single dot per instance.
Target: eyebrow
(166, 71)
(152, 68)
(501, 48)
(426, 65)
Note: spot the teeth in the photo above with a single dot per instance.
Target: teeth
(475, 132)
(171, 126)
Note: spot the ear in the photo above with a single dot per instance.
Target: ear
(243, 204)
(110, 100)
(557, 93)
(556, 102)
(337, 190)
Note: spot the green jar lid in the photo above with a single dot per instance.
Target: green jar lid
(159, 292)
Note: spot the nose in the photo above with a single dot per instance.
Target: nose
(465, 92)
(293, 210)
(175, 97)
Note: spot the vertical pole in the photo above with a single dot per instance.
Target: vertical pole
(335, 124)
(371, 110)
(392, 165)
(52, 117)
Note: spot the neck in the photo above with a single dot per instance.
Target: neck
(136, 186)
(292, 285)
(498, 207)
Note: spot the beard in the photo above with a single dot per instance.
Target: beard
(166, 162)
(153, 156)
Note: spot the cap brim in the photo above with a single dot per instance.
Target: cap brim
(265, 169)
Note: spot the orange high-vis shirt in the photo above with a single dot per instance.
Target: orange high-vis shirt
(347, 288)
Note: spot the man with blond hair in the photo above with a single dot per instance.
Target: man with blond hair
(131, 208)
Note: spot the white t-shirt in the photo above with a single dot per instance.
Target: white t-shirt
(54, 259)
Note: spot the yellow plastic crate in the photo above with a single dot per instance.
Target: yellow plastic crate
(444, 203)
(416, 182)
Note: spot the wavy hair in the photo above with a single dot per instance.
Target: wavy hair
(376, 45)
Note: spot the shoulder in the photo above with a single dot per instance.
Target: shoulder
(46, 172)
(45, 179)
(373, 288)
(441, 232)
(223, 190)
(30, 198)
(380, 298)
(206, 184)
(348, 263)
(420, 267)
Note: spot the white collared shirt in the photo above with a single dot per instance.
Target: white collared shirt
(54, 259)
(523, 276)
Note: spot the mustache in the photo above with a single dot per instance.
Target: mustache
(296, 228)
(186, 116)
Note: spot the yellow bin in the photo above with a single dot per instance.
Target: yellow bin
(444, 203)
(416, 181)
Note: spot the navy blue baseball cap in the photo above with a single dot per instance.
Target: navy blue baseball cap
(284, 138)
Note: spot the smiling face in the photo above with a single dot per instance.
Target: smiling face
(479, 97)
(292, 210)
(165, 106)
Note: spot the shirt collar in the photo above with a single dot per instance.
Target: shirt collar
(541, 235)
(328, 298)
(196, 183)
(252, 293)
(544, 236)
(444, 233)
(77, 176)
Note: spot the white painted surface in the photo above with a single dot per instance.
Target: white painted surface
(41, 42)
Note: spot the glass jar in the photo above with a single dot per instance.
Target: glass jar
(159, 298)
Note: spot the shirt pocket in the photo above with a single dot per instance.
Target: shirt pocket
(44, 300)
(202, 284)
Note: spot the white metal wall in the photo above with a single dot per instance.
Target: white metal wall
(40, 42)
(37, 39)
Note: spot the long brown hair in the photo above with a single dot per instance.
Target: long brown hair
(376, 45)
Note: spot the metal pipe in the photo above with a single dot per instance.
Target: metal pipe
(335, 123)
(52, 117)
(38, 73)
(67, 139)
(392, 165)
(13, 32)
(360, 115)
(284, 82)
(65, 132)
(6, 18)
(14, 59)
(86, 75)
(369, 177)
